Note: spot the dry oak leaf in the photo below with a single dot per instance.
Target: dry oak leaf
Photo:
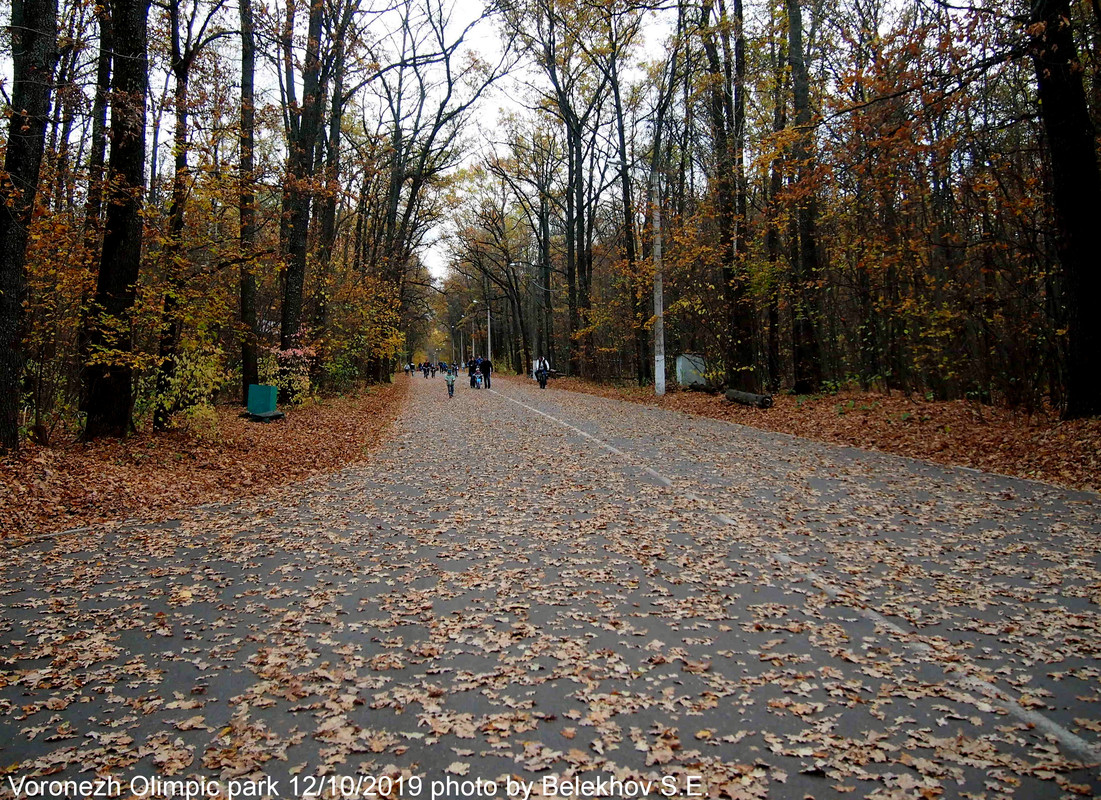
(695, 666)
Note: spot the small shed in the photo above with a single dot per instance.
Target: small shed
(690, 370)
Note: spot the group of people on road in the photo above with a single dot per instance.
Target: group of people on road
(478, 369)
(427, 368)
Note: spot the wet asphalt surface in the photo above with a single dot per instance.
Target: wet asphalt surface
(545, 587)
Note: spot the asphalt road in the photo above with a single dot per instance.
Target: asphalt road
(523, 589)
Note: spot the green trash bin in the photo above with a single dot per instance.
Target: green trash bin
(261, 402)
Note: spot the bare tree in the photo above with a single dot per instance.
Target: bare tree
(493, 241)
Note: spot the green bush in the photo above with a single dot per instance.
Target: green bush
(189, 396)
(290, 371)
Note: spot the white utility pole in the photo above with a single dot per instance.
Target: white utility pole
(659, 299)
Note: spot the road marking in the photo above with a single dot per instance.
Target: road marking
(652, 473)
(1075, 744)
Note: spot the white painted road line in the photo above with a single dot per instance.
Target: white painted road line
(1072, 742)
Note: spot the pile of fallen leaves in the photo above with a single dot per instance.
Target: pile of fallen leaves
(149, 475)
(1039, 446)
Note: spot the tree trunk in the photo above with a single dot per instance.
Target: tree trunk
(34, 57)
(108, 377)
(1076, 196)
(743, 317)
(807, 358)
(579, 353)
(331, 194)
(545, 259)
(62, 126)
(635, 284)
(172, 253)
(302, 167)
(727, 123)
(656, 199)
(585, 230)
(330, 202)
(97, 157)
(573, 366)
(247, 203)
(773, 212)
(522, 359)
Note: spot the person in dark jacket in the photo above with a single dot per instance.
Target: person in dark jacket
(471, 367)
(487, 370)
(542, 370)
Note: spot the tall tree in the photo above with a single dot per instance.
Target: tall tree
(426, 97)
(187, 42)
(34, 57)
(247, 202)
(554, 34)
(335, 68)
(109, 373)
(93, 204)
(773, 211)
(530, 172)
(666, 91)
(620, 25)
(491, 240)
(806, 355)
(302, 137)
(726, 106)
(1076, 196)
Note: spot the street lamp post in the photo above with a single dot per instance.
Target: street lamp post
(489, 332)
(473, 329)
(659, 298)
(466, 319)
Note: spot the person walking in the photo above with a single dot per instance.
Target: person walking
(487, 370)
(542, 370)
(450, 380)
(471, 368)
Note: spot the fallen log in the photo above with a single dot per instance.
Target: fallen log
(749, 399)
